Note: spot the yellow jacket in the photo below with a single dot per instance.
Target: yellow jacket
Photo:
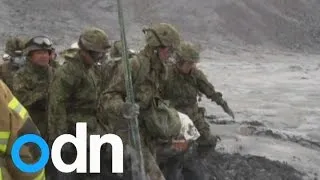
(15, 122)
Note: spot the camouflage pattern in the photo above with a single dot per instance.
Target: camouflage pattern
(148, 75)
(14, 44)
(182, 91)
(66, 54)
(14, 50)
(162, 34)
(116, 50)
(7, 70)
(187, 52)
(30, 86)
(146, 88)
(54, 59)
(109, 68)
(94, 39)
(104, 70)
(54, 63)
(73, 98)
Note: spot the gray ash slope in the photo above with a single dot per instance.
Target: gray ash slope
(291, 24)
(228, 30)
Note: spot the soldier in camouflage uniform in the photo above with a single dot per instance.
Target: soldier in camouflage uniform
(67, 54)
(31, 83)
(73, 95)
(14, 123)
(148, 74)
(184, 83)
(13, 59)
(109, 67)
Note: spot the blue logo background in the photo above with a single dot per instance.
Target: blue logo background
(15, 153)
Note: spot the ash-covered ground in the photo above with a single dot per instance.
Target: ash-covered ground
(260, 53)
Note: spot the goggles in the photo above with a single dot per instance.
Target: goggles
(41, 41)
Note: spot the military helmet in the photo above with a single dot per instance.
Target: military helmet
(94, 39)
(38, 43)
(116, 50)
(188, 52)
(162, 34)
(14, 46)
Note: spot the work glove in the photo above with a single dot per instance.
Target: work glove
(130, 110)
(221, 102)
(217, 97)
(206, 144)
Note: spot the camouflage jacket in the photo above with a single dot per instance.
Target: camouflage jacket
(7, 70)
(182, 91)
(148, 74)
(73, 98)
(30, 86)
(69, 53)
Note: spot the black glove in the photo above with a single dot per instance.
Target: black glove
(217, 97)
(206, 144)
(130, 111)
(219, 100)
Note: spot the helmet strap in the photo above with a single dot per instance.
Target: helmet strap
(80, 44)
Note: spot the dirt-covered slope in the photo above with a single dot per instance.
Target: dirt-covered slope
(293, 24)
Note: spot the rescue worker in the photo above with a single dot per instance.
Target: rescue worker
(31, 83)
(148, 73)
(13, 59)
(16, 122)
(109, 67)
(73, 96)
(183, 85)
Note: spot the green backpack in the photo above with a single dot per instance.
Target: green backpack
(162, 120)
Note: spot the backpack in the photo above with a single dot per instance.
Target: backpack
(162, 120)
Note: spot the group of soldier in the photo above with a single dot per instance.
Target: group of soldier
(86, 83)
